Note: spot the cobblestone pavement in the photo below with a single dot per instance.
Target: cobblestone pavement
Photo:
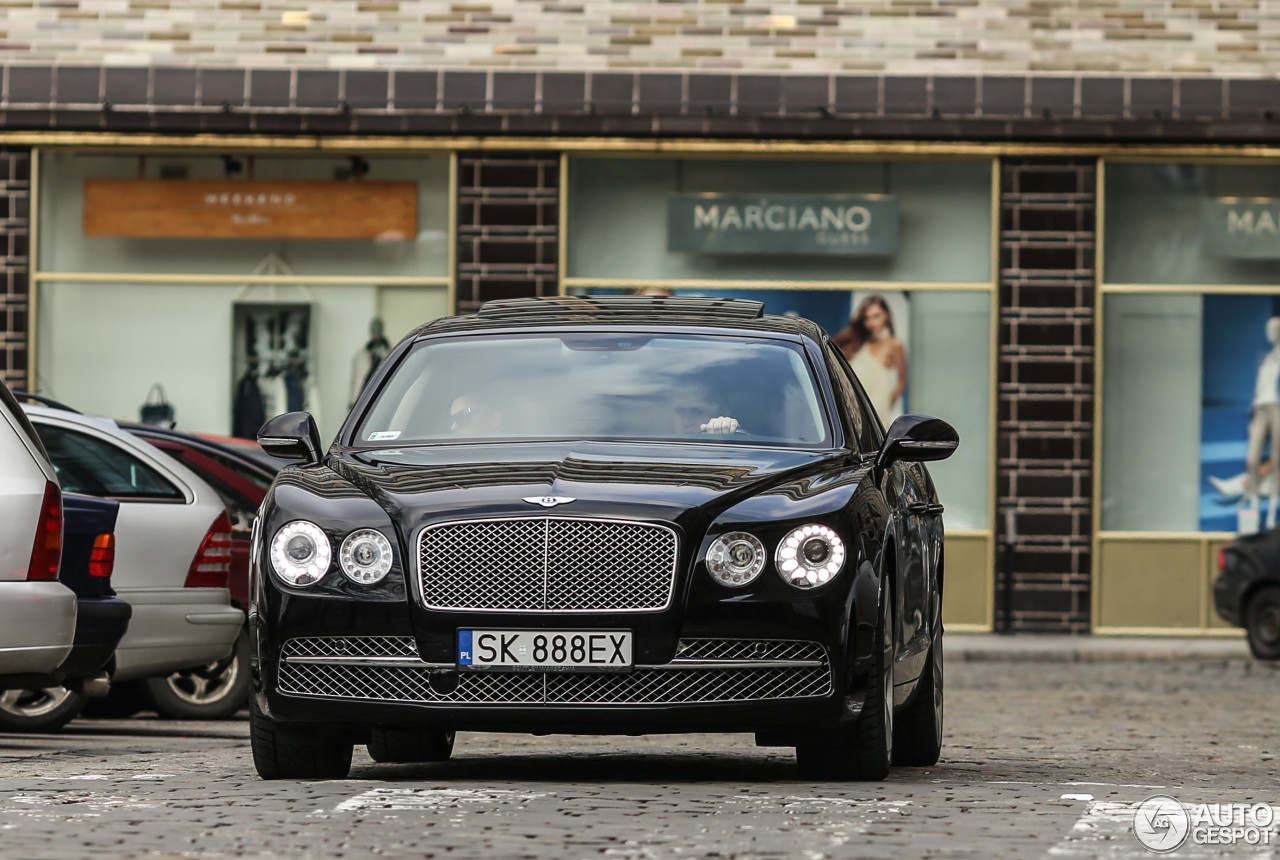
(1042, 760)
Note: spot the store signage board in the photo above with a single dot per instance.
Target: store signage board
(1242, 227)
(250, 209)
(782, 224)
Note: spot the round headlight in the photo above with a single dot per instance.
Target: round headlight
(365, 556)
(300, 553)
(735, 559)
(810, 556)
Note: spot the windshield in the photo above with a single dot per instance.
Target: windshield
(599, 386)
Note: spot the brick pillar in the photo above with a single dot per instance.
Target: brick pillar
(508, 226)
(15, 264)
(1047, 253)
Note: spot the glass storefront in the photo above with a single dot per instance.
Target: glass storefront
(892, 258)
(217, 276)
(1190, 382)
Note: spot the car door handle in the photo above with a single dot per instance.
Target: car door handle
(935, 509)
(918, 508)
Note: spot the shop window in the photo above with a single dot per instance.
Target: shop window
(1178, 223)
(902, 248)
(295, 273)
(690, 219)
(1191, 412)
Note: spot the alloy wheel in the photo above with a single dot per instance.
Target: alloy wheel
(33, 703)
(205, 685)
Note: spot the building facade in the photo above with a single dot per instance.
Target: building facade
(1065, 214)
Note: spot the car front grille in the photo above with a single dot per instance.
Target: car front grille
(783, 669)
(547, 564)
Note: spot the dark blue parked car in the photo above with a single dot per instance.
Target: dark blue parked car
(88, 554)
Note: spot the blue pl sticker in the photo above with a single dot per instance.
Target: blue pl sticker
(464, 647)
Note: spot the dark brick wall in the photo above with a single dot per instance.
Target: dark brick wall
(508, 226)
(1047, 254)
(15, 236)
(663, 103)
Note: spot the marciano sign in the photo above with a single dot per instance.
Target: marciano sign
(782, 224)
(250, 209)
(1242, 227)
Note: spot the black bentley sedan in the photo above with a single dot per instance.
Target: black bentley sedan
(602, 515)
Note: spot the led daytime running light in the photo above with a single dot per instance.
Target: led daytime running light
(801, 560)
(735, 559)
(365, 556)
(300, 553)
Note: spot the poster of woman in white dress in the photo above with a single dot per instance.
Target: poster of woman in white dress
(875, 342)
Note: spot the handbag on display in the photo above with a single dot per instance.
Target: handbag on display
(157, 409)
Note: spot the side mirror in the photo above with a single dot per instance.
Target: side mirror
(918, 438)
(291, 436)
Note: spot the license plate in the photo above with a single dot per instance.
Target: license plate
(545, 650)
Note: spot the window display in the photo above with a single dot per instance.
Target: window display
(273, 369)
(1200, 360)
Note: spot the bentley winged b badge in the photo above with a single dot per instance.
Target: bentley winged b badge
(549, 501)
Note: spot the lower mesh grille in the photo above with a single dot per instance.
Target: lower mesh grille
(645, 685)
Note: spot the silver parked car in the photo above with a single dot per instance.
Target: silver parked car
(173, 542)
(37, 613)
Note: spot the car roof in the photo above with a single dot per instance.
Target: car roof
(684, 312)
(195, 485)
(242, 450)
(71, 416)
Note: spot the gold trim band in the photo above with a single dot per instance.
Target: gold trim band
(1189, 537)
(235, 280)
(1192, 289)
(618, 145)
(766, 284)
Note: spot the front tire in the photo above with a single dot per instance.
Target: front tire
(1262, 623)
(862, 752)
(281, 752)
(45, 710)
(212, 692)
(917, 740)
(402, 746)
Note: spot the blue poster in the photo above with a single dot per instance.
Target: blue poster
(1239, 411)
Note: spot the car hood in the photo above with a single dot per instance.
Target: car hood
(650, 482)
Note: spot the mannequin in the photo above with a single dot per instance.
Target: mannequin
(1264, 421)
(368, 358)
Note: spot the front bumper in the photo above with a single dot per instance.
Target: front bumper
(706, 672)
(717, 681)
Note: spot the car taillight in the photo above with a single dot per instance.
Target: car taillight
(1222, 559)
(102, 560)
(212, 565)
(46, 553)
